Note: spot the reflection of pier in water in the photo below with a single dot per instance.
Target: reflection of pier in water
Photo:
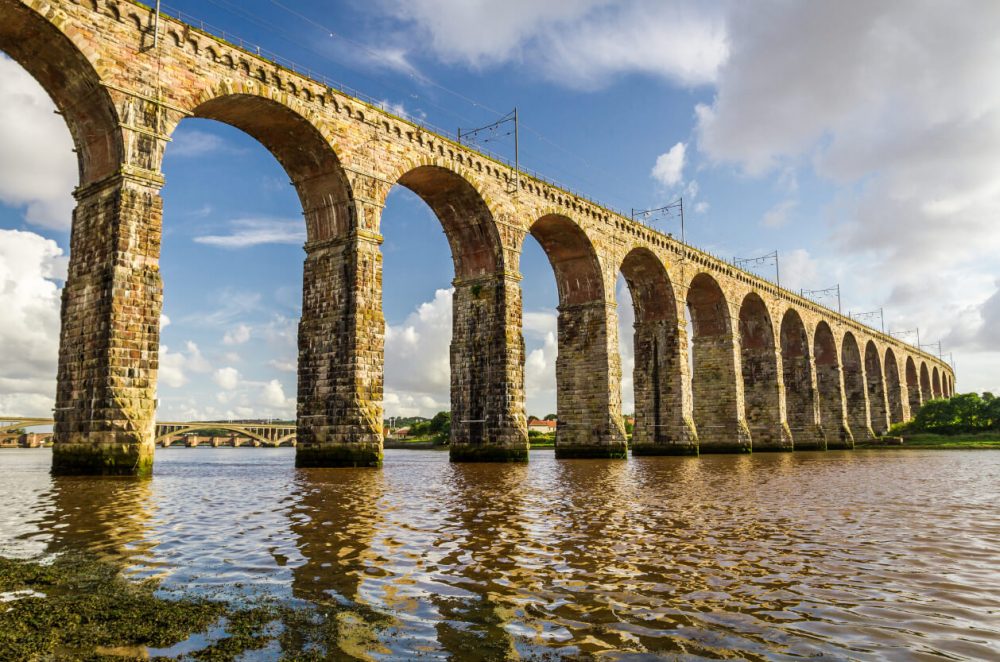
(167, 433)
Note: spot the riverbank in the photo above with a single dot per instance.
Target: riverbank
(985, 441)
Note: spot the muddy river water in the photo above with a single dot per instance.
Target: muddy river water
(867, 555)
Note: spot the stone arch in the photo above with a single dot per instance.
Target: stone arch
(761, 386)
(662, 422)
(588, 370)
(717, 401)
(936, 382)
(830, 386)
(925, 383)
(465, 217)
(893, 388)
(72, 81)
(855, 390)
(487, 395)
(577, 268)
(302, 150)
(913, 386)
(877, 398)
(801, 397)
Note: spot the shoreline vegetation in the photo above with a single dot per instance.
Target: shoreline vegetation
(77, 606)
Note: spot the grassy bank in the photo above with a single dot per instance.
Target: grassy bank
(986, 440)
(79, 608)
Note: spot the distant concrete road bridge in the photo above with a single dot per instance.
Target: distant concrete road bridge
(259, 434)
(771, 370)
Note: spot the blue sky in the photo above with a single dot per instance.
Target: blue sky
(860, 142)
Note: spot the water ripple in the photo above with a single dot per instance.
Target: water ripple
(864, 555)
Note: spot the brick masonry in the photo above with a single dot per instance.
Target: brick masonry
(754, 384)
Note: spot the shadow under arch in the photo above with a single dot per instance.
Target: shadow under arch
(830, 386)
(307, 157)
(913, 386)
(718, 415)
(936, 382)
(925, 383)
(73, 83)
(759, 368)
(893, 388)
(487, 396)
(855, 389)
(877, 400)
(801, 398)
(663, 424)
(588, 372)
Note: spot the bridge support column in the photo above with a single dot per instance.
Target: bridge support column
(663, 424)
(832, 410)
(588, 377)
(904, 405)
(878, 402)
(109, 340)
(802, 403)
(718, 397)
(341, 353)
(487, 371)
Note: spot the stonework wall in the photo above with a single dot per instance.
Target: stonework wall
(122, 99)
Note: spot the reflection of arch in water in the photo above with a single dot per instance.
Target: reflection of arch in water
(109, 518)
(335, 518)
(487, 532)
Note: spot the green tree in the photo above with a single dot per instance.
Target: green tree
(441, 423)
(551, 417)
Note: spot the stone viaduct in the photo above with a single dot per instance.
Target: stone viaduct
(771, 370)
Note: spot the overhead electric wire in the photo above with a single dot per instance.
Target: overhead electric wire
(411, 73)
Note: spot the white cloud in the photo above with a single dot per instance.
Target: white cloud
(29, 334)
(237, 336)
(700, 207)
(896, 106)
(669, 168)
(417, 359)
(283, 366)
(273, 395)
(38, 169)
(175, 365)
(164, 321)
(247, 232)
(777, 216)
(578, 43)
(227, 378)
(192, 143)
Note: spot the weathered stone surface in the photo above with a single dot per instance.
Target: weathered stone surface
(748, 383)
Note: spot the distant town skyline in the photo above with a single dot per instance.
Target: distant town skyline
(867, 160)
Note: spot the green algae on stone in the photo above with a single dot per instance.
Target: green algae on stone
(88, 605)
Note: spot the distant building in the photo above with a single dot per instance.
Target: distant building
(401, 433)
(544, 427)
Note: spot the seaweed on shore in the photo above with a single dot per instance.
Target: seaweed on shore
(72, 606)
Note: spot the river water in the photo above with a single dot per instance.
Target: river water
(868, 555)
